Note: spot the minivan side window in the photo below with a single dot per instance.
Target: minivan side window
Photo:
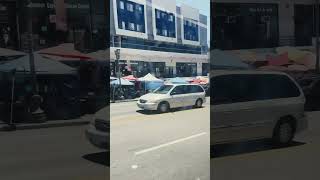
(194, 89)
(274, 86)
(178, 90)
(251, 87)
(230, 89)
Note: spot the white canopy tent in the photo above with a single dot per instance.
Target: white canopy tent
(150, 78)
(124, 82)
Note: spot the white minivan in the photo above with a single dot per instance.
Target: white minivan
(249, 105)
(173, 96)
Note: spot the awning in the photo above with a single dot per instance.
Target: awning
(42, 66)
(9, 52)
(64, 52)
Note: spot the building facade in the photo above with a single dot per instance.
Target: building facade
(262, 23)
(82, 22)
(152, 36)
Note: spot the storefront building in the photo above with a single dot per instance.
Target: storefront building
(263, 24)
(154, 27)
(82, 22)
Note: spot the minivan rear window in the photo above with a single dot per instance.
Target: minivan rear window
(194, 89)
(251, 87)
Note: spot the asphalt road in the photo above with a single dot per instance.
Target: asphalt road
(51, 154)
(260, 160)
(170, 146)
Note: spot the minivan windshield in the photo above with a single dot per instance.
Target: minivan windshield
(163, 89)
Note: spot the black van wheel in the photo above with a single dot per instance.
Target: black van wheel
(163, 107)
(283, 133)
(199, 103)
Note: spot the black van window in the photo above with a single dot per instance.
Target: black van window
(200, 89)
(178, 90)
(230, 89)
(194, 89)
(251, 87)
(274, 86)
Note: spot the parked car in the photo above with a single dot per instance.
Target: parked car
(249, 105)
(173, 96)
(99, 129)
(311, 89)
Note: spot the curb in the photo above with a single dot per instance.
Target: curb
(129, 100)
(49, 124)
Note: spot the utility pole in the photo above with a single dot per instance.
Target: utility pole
(31, 55)
(317, 36)
(117, 52)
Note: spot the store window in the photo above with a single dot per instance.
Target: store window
(186, 69)
(205, 69)
(137, 68)
(159, 69)
(165, 24)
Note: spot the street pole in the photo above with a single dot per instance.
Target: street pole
(31, 55)
(317, 36)
(12, 125)
(117, 52)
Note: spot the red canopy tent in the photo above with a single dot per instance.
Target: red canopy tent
(199, 81)
(130, 78)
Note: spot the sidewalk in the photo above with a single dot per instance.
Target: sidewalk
(84, 120)
(125, 100)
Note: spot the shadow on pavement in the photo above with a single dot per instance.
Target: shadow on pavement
(147, 112)
(102, 158)
(223, 150)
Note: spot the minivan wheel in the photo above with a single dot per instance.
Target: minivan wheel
(198, 103)
(284, 133)
(163, 107)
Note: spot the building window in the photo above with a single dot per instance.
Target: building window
(123, 25)
(191, 30)
(131, 16)
(139, 8)
(131, 26)
(164, 32)
(130, 7)
(171, 18)
(165, 24)
(139, 28)
(122, 5)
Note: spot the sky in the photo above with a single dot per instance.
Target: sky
(203, 6)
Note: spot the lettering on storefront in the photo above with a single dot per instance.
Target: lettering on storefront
(52, 6)
(260, 10)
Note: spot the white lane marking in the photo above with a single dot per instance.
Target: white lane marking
(134, 166)
(169, 143)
